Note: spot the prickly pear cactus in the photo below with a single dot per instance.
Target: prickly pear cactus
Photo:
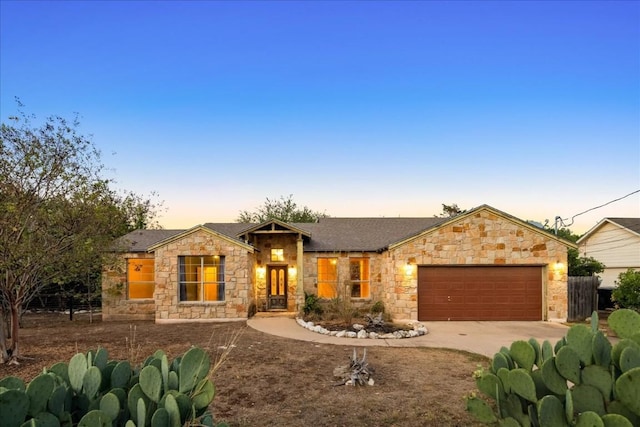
(585, 380)
(94, 391)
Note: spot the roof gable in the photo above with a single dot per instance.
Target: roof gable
(494, 211)
(206, 230)
(274, 225)
(632, 225)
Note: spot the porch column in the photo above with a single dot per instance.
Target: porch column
(299, 275)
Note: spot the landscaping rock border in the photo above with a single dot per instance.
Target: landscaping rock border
(418, 330)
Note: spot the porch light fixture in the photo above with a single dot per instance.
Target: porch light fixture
(408, 269)
(558, 266)
(292, 271)
(261, 272)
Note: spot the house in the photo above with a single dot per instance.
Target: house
(483, 264)
(615, 242)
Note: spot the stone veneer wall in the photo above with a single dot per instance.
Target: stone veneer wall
(310, 279)
(482, 238)
(115, 305)
(238, 282)
(264, 243)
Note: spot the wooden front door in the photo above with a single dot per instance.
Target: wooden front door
(277, 287)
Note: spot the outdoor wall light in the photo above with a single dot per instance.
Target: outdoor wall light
(558, 266)
(292, 271)
(408, 269)
(260, 272)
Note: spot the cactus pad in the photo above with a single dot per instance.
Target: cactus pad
(579, 338)
(39, 390)
(194, 367)
(481, 410)
(589, 419)
(95, 418)
(14, 405)
(600, 378)
(587, 398)
(522, 384)
(151, 382)
(551, 412)
(77, 368)
(624, 322)
(628, 390)
(568, 364)
(629, 358)
(552, 378)
(615, 420)
(523, 354)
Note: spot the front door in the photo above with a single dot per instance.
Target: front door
(277, 287)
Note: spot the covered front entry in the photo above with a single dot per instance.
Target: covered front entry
(277, 287)
(480, 293)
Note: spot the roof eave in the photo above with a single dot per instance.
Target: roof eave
(492, 210)
(163, 242)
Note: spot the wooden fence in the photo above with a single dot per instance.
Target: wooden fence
(583, 297)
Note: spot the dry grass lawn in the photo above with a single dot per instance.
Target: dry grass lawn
(269, 380)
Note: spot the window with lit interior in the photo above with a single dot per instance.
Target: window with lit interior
(327, 277)
(277, 255)
(359, 275)
(140, 278)
(201, 278)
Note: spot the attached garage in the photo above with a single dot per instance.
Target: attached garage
(480, 292)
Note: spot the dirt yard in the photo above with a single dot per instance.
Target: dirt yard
(268, 380)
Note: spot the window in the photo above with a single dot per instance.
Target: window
(327, 277)
(140, 278)
(359, 275)
(201, 278)
(277, 255)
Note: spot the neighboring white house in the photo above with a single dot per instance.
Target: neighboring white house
(615, 242)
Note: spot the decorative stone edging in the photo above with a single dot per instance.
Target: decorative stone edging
(418, 330)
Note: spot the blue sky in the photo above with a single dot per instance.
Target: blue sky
(354, 108)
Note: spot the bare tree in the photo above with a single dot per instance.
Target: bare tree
(449, 211)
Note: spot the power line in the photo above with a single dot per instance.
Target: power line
(562, 221)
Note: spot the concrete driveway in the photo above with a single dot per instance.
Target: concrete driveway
(474, 336)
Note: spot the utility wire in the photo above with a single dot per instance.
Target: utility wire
(594, 208)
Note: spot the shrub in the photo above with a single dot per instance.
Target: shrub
(92, 391)
(311, 305)
(377, 307)
(582, 380)
(627, 294)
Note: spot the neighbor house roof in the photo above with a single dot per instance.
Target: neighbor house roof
(631, 224)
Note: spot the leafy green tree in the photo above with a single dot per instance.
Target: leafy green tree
(577, 265)
(283, 209)
(627, 294)
(57, 214)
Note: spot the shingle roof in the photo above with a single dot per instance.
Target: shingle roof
(327, 235)
(632, 224)
(363, 234)
(140, 240)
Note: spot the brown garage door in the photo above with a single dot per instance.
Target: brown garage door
(479, 293)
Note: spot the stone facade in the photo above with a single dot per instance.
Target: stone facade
(115, 304)
(482, 238)
(238, 293)
(310, 279)
(264, 244)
